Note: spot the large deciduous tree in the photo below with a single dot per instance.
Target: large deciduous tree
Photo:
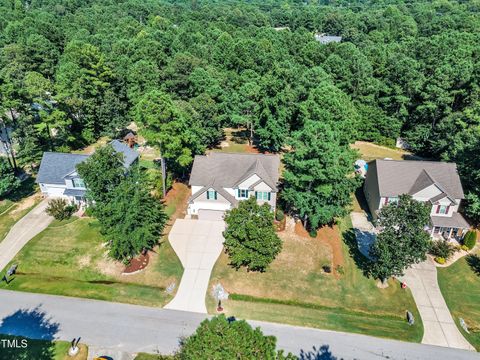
(168, 128)
(402, 240)
(250, 238)
(102, 173)
(318, 174)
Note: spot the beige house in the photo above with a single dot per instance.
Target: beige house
(220, 180)
(436, 183)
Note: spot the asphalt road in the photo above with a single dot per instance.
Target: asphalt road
(134, 328)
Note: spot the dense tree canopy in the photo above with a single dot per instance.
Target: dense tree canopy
(71, 71)
(8, 181)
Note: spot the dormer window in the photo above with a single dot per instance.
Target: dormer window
(211, 195)
(78, 183)
(242, 194)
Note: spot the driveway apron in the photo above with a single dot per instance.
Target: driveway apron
(439, 327)
(198, 243)
(23, 231)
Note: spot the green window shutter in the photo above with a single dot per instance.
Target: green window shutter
(208, 195)
(215, 193)
(268, 196)
(238, 193)
(256, 195)
(246, 194)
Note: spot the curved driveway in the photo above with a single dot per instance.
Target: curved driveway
(198, 243)
(438, 324)
(34, 222)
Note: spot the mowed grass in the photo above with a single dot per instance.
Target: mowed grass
(41, 349)
(70, 259)
(369, 151)
(460, 286)
(295, 290)
(11, 212)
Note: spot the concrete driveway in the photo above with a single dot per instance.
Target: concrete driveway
(24, 229)
(198, 243)
(439, 327)
(364, 232)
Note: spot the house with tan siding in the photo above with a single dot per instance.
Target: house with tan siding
(433, 182)
(220, 180)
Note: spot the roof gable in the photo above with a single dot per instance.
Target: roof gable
(396, 177)
(227, 170)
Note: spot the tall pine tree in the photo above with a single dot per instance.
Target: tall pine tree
(318, 174)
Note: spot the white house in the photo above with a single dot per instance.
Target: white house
(58, 176)
(220, 180)
(436, 183)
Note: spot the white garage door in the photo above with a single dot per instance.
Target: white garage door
(210, 215)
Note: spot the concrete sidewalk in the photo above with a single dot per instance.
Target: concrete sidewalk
(438, 324)
(198, 243)
(25, 229)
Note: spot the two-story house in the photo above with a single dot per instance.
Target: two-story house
(220, 180)
(58, 176)
(436, 183)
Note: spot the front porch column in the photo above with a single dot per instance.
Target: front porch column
(450, 233)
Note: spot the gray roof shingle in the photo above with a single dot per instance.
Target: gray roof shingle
(229, 169)
(396, 177)
(455, 221)
(55, 167)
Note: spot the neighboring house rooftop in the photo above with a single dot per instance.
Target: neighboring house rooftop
(227, 170)
(326, 39)
(56, 167)
(396, 177)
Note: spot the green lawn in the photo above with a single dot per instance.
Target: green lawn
(40, 349)
(460, 286)
(370, 151)
(11, 212)
(145, 356)
(296, 291)
(69, 259)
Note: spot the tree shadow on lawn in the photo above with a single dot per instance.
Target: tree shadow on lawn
(322, 353)
(474, 262)
(362, 262)
(31, 324)
(26, 188)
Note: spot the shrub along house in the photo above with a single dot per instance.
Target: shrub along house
(58, 176)
(220, 180)
(436, 183)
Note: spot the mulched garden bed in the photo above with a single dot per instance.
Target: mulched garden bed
(136, 265)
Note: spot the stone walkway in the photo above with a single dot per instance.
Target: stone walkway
(25, 229)
(438, 324)
(198, 243)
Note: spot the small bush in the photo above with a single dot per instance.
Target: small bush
(60, 209)
(279, 215)
(313, 233)
(340, 269)
(442, 249)
(440, 260)
(464, 248)
(470, 239)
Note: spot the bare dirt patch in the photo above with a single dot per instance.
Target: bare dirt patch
(26, 203)
(329, 235)
(109, 267)
(84, 261)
